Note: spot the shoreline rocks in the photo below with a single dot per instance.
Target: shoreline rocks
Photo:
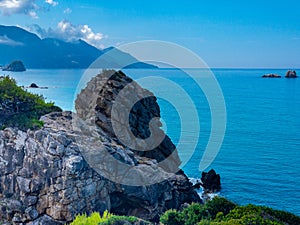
(45, 177)
(211, 181)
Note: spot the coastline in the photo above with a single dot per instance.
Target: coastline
(238, 86)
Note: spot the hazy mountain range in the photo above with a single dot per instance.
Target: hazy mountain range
(51, 53)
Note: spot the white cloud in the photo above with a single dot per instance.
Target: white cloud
(51, 2)
(9, 7)
(67, 31)
(27, 7)
(67, 11)
(33, 15)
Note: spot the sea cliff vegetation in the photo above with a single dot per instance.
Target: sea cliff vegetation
(218, 211)
(20, 108)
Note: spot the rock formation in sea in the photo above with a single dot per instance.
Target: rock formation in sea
(33, 85)
(211, 181)
(291, 74)
(49, 175)
(15, 66)
(271, 76)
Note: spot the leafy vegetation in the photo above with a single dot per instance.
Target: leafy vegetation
(116, 220)
(106, 219)
(19, 108)
(220, 211)
(172, 217)
(94, 219)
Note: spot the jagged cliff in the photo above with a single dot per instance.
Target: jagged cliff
(47, 176)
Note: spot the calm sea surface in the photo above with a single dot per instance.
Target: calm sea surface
(259, 161)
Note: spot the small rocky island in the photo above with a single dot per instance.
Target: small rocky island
(291, 74)
(15, 66)
(271, 75)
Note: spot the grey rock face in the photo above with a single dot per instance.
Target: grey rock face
(45, 177)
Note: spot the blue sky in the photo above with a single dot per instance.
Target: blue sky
(248, 34)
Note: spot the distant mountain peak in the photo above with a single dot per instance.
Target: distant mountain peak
(53, 53)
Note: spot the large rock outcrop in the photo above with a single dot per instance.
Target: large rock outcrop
(50, 175)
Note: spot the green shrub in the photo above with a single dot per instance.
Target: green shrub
(94, 219)
(194, 213)
(19, 108)
(172, 217)
(204, 222)
(120, 220)
(220, 211)
(282, 215)
(106, 219)
(251, 214)
(217, 205)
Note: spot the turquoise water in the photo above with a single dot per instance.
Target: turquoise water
(260, 156)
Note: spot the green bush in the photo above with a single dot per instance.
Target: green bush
(220, 211)
(106, 219)
(94, 219)
(19, 108)
(252, 214)
(217, 205)
(120, 220)
(194, 213)
(172, 217)
(282, 215)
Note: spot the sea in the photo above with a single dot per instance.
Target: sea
(259, 157)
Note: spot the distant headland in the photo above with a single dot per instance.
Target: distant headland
(15, 66)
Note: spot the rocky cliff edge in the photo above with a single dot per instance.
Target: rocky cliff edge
(50, 175)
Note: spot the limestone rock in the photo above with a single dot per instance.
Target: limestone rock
(46, 177)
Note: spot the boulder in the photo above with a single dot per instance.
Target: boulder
(33, 85)
(291, 74)
(211, 181)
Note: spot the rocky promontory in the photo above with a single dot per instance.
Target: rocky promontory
(47, 177)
